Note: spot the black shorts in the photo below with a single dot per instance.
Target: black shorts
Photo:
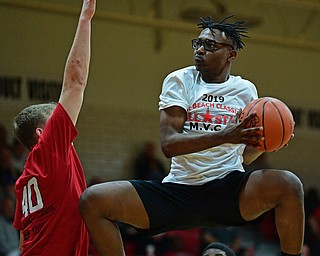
(172, 206)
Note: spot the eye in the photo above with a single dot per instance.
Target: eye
(198, 43)
(210, 45)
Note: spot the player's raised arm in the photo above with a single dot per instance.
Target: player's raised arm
(77, 65)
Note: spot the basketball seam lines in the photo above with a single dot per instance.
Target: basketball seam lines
(283, 128)
(262, 123)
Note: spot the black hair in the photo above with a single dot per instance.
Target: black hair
(235, 31)
(222, 247)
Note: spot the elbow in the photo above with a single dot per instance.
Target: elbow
(250, 155)
(247, 162)
(248, 159)
(167, 150)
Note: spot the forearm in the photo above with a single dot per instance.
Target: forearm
(250, 154)
(174, 141)
(180, 144)
(77, 64)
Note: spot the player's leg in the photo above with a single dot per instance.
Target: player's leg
(283, 191)
(104, 204)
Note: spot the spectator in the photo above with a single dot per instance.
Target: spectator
(312, 236)
(216, 248)
(147, 166)
(9, 237)
(312, 226)
(311, 200)
(267, 228)
(228, 236)
(306, 250)
(19, 156)
(8, 173)
(181, 242)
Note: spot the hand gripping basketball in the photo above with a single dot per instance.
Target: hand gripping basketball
(276, 119)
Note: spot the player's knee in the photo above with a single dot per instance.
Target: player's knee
(88, 202)
(291, 185)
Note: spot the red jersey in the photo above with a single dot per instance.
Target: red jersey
(48, 193)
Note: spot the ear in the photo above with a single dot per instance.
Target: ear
(39, 132)
(232, 55)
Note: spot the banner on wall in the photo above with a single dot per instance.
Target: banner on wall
(306, 118)
(17, 88)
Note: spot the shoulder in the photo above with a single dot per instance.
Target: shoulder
(182, 78)
(60, 114)
(187, 72)
(243, 84)
(176, 87)
(243, 81)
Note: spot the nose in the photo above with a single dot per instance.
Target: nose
(200, 50)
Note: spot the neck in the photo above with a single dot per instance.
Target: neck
(214, 79)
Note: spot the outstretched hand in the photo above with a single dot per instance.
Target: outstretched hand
(237, 132)
(88, 9)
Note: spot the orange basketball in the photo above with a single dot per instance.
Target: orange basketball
(276, 119)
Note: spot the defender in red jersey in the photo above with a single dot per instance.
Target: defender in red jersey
(50, 186)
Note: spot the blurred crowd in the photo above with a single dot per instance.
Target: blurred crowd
(245, 241)
(12, 159)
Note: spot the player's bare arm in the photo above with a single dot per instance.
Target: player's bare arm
(174, 142)
(77, 65)
(250, 154)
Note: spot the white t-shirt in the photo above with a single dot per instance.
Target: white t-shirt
(209, 108)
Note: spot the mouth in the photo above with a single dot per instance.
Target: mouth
(198, 59)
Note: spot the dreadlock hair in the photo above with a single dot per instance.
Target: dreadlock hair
(235, 31)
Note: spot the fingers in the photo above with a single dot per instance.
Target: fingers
(287, 144)
(252, 121)
(253, 137)
(248, 131)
